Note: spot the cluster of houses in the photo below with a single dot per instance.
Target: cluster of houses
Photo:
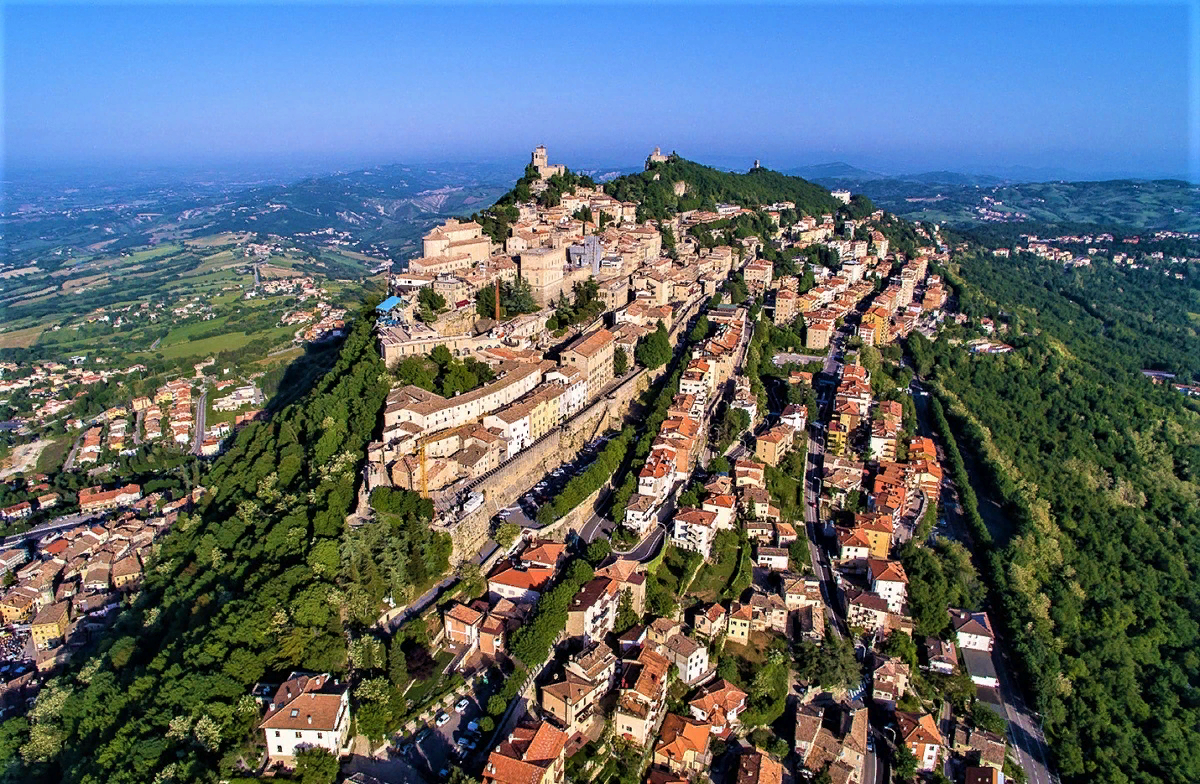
(897, 496)
(894, 311)
(39, 494)
(329, 323)
(434, 443)
(629, 681)
(75, 579)
(51, 383)
(831, 734)
(680, 437)
(175, 398)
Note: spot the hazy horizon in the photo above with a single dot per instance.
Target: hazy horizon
(1098, 91)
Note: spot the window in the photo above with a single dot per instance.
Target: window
(298, 735)
(320, 735)
(276, 733)
(279, 749)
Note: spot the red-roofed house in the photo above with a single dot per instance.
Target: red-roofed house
(719, 704)
(531, 754)
(306, 711)
(923, 738)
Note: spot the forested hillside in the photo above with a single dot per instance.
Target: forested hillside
(1139, 318)
(250, 585)
(654, 189)
(1098, 474)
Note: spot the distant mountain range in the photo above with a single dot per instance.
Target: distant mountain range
(384, 208)
(843, 172)
(961, 199)
(994, 176)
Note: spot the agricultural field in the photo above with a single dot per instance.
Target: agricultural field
(97, 331)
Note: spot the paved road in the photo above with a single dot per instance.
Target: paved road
(69, 464)
(646, 549)
(812, 491)
(1024, 728)
(394, 622)
(201, 413)
(137, 427)
(784, 358)
(55, 525)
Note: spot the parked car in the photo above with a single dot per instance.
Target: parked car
(472, 725)
(461, 705)
(442, 718)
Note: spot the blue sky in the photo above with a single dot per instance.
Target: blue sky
(1095, 89)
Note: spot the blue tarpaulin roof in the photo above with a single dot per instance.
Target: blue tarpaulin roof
(388, 304)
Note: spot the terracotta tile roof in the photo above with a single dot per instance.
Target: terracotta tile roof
(853, 537)
(719, 699)
(621, 569)
(888, 571)
(680, 735)
(545, 553)
(723, 501)
(532, 579)
(464, 614)
(693, 516)
(871, 601)
(919, 728)
(966, 622)
(306, 702)
(593, 592)
(524, 756)
(591, 344)
(758, 768)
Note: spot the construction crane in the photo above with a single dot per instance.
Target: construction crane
(422, 442)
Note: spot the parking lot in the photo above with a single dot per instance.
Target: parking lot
(432, 749)
(524, 512)
(16, 654)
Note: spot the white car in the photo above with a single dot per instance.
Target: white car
(462, 705)
(442, 718)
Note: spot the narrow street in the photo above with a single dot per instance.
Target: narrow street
(201, 413)
(812, 491)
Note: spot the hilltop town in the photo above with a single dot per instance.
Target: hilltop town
(675, 467)
(653, 495)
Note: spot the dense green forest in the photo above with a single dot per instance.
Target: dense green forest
(1139, 318)
(257, 582)
(653, 189)
(1097, 473)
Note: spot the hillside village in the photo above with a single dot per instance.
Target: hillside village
(682, 468)
(616, 645)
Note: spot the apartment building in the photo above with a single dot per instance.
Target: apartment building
(593, 355)
(643, 695)
(593, 610)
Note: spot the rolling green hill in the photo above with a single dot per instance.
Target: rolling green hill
(654, 189)
(1136, 205)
